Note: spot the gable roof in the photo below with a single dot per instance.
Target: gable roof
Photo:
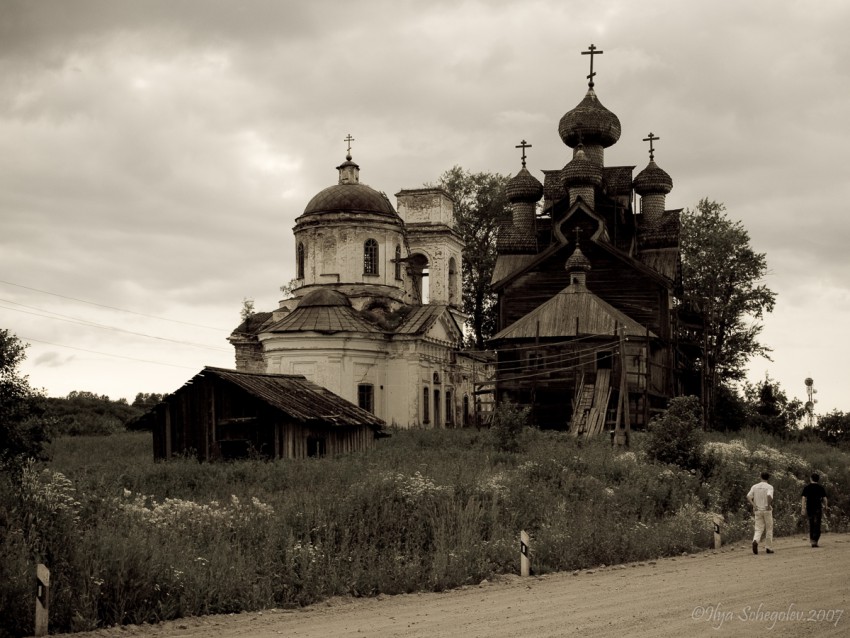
(298, 398)
(573, 312)
(422, 319)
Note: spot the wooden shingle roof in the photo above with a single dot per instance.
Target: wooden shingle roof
(298, 398)
(573, 312)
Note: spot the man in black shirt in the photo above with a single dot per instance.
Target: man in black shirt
(813, 503)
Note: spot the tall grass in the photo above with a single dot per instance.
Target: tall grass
(129, 540)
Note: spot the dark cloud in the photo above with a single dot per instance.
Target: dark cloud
(161, 151)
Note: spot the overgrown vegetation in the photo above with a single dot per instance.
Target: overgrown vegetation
(129, 540)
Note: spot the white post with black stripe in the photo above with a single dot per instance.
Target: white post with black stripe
(524, 561)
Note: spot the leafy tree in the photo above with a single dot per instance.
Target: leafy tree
(23, 433)
(146, 400)
(480, 206)
(247, 310)
(768, 407)
(721, 278)
(676, 437)
(834, 427)
(89, 413)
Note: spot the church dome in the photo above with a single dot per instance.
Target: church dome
(524, 187)
(590, 123)
(350, 198)
(324, 297)
(577, 261)
(651, 180)
(580, 171)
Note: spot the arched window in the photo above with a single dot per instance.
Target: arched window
(398, 262)
(370, 257)
(426, 405)
(300, 257)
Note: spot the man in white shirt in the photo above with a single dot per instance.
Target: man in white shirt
(760, 497)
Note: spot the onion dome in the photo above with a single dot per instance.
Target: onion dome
(524, 187)
(589, 122)
(577, 261)
(349, 195)
(324, 297)
(580, 171)
(652, 180)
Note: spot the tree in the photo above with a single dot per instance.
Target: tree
(721, 279)
(23, 433)
(675, 437)
(480, 207)
(247, 309)
(768, 407)
(834, 427)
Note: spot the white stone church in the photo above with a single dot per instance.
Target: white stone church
(375, 314)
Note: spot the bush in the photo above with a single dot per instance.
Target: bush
(675, 437)
(509, 420)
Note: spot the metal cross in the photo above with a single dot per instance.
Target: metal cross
(349, 139)
(591, 53)
(651, 139)
(523, 145)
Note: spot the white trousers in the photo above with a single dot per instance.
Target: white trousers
(764, 525)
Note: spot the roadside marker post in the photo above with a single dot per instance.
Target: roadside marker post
(524, 561)
(718, 521)
(42, 599)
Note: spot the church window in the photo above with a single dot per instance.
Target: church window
(449, 408)
(436, 377)
(300, 256)
(398, 262)
(426, 405)
(370, 257)
(436, 408)
(366, 397)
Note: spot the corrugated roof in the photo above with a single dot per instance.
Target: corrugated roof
(326, 319)
(298, 398)
(557, 318)
(420, 319)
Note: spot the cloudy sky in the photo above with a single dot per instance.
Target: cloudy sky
(155, 154)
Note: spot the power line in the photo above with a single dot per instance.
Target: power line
(85, 322)
(106, 354)
(100, 305)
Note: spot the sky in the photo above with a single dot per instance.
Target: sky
(156, 154)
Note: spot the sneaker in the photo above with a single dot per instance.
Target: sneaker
(768, 551)
(755, 547)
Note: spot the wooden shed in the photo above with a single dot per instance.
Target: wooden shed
(225, 414)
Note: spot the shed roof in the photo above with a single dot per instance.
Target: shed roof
(297, 397)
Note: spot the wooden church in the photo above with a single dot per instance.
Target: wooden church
(586, 281)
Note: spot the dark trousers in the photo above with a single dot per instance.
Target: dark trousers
(815, 518)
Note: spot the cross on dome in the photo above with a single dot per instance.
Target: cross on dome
(523, 145)
(348, 139)
(651, 139)
(591, 52)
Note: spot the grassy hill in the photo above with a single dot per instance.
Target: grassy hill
(129, 540)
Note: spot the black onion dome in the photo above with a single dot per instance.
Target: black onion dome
(324, 297)
(350, 198)
(524, 187)
(589, 122)
(651, 180)
(580, 171)
(577, 261)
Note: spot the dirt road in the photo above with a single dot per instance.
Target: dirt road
(798, 591)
